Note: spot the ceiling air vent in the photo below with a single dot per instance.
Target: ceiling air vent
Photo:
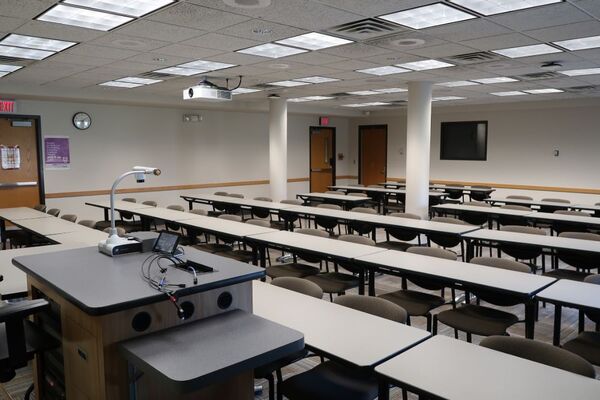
(10, 59)
(365, 29)
(341, 94)
(582, 89)
(474, 58)
(536, 76)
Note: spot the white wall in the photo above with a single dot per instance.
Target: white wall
(224, 147)
(521, 142)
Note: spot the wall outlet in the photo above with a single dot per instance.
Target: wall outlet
(556, 153)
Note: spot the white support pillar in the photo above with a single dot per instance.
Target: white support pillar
(418, 139)
(278, 148)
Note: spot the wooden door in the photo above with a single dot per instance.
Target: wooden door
(373, 154)
(322, 160)
(22, 186)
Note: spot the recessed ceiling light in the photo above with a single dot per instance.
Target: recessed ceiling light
(581, 72)
(206, 65)
(498, 79)
(457, 83)
(543, 91)
(310, 98)
(134, 8)
(271, 50)
(9, 68)
(380, 71)
(181, 71)
(487, 7)
(242, 90)
(30, 54)
(447, 98)
(314, 41)
(141, 81)
(425, 65)
(590, 42)
(427, 16)
(390, 90)
(511, 93)
(84, 18)
(363, 93)
(527, 51)
(248, 4)
(38, 43)
(372, 104)
(316, 79)
(288, 83)
(121, 84)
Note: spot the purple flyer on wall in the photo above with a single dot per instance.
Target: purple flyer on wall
(56, 152)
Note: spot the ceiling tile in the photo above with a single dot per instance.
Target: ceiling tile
(353, 65)
(443, 50)
(9, 24)
(500, 41)
(58, 31)
(193, 52)
(590, 6)
(356, 50)
(131, 67)
(159, 60)
(261, 30)
(194, 16)
(315, 58)
(69, 58)
(237, 58)
(406, 41)
(466, 30)
(221, 42)
(107, 52)
(159, 31)
(373, 8)
(120, 41)
(565, 32)
(24, 8)
(541, 17)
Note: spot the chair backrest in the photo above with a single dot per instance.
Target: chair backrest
(262, 198)
(150, 203)
(577, 259)
(176, 207)
(556, 200)
(130, 200)
(373, 305)
(313, 232)
(449, 220)
(120, 231)
(40, 207)
(581, 235)
(259, 222)
(292, 201)
(88, 223)
(54, 212)
(358, 194)
(519, 197)
(330, 206)
(220, 193)
(540, 352)
(357, 185)
(401, 233)
(364, 210)
(236, 195)
(502, 263)
(595, 280)
(432, 252)
(572, 212)
(299, 285)
(334, 192)
(199, 211)
(477, 203)
(404, 215)
(357, 239)
(523, 229)
(69, 217)
(515, 207)
(231, 217)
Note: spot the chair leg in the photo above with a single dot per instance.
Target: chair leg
(271, 381)
(279, 380)
(455, 333)
(469, 337)
(435, 324)
(428, 316)
(581, 324)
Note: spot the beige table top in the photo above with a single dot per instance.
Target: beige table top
(20, 213)
(50, 226)
(379, 190)
(484, 210)
(572, 293)
(227, 227)
(241, 202)
(331, 196)
(89, 237)
(119, 205)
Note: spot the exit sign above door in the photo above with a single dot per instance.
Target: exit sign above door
(7, 106)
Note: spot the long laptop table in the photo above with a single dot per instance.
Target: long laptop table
(347, 201)
(536, 203)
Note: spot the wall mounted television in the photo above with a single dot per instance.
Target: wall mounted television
(466, 140)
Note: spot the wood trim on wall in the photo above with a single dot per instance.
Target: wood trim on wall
(512, 186)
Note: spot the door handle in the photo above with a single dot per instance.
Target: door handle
(9, 185)
(326, 153)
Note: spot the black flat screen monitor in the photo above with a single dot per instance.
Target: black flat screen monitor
(464, 141)
(166, 243)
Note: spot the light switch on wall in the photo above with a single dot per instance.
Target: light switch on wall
(556, 153)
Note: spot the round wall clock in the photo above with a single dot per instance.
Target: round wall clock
(82, 121)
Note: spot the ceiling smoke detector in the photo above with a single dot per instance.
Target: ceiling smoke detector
(248, 4)
(408, 42)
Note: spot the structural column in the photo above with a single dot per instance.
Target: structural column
(418, 139)
(278, 148)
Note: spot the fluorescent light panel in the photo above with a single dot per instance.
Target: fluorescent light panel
(590, 42)
(581, 72)
(314, 41)
(527, 51)
(38, 43)
(363, 93)
(140, 81)
(380, 71)
(9, 68)
(288, 83)
(316, 79)
(543, 91)
(457, 83)
(372, 104)
(242, 90)
(271, 50)
(511, 93)
(425, 65)
(181, 71)
(498, 79)
(134, 8)
(310, 98)
(447, 98)
(206, 65)
(121, 84)
(491, 7)
(84, 18)
(428, 16)
(30, 54)
(390, 90)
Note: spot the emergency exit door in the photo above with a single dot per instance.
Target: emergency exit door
(322, 158)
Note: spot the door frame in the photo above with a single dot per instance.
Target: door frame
(333, 154)
(40, 152)
(360, 136)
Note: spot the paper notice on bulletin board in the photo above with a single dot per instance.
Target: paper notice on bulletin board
(56, 152)
(10, 157)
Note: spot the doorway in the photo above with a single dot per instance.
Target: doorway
(372, 154)
(21, 176)
(322, 158)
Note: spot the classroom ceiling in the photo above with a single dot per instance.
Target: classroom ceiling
(216, 30)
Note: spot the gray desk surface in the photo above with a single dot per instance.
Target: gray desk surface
(119, 205)
(551, 242)
(226, 227)
(316, 244)
(572, 294)
(20, 213)
(50, 226)
(331, 196)
(195, 355)
(356, 337)
(571, 219)
(378, 190)
(166, 214)
(483, 210)
(89, 237)
(472, 275)
(99, 284)
(212, 198)
(543, 203)
(441, 187)
(482, 373)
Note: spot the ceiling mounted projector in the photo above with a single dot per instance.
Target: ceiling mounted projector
(207, 91)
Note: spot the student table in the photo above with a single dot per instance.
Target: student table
(491, 212)
(563, 206)
(347, 201)
(17, 214)
(244, 203)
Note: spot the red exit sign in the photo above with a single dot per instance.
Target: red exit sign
(7, 106)
(323, 121)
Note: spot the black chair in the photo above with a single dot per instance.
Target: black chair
(566, 226)
(298, 269)
(582, 262)
(480, 195)
(504, 220)
(549, 208)
(21, 339)
(446, 240)
(474, 218)
(524, 251)
(328, 223)
(362, 228)
(402, 234)
(173, 226)
(454, 194)
(290, 218)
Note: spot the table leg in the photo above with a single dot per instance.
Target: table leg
(557, 324)
(190, 204)
(3, 233)
(384, 390)
(530, 318)
(263, 259)
(106, 214)
(371, 273)
(361, 282)
(470, 249)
